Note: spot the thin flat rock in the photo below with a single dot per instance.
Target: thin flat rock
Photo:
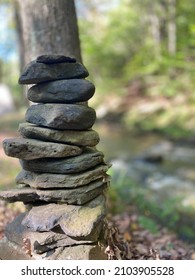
(87, 160)
(54, 58)
(56, 181)
(62, 91)
(79, 252)
(78, 138)
(76, 196)
(39, 242)
(81, 222)
(36, 72)
(34, 149)
(61, 116)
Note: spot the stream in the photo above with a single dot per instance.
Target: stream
(162, 167)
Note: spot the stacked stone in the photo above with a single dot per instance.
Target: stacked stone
(63, 180)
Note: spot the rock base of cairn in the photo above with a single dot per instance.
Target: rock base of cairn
(63, 181)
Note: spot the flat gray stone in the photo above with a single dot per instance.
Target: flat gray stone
(62, 91)
(79, 252)
(11, 251)
(78, 196)
(39, 242)
(80, 138)
(61, 116)
(80, 222)
(36, 72)
(34, 149)
(56, 181)
(54, 58)
(87, 160)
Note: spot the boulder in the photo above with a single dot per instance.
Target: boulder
(36, 72)
(61, 116)
(62, 91)
(79, 138)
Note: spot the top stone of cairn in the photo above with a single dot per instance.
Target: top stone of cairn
(52, 67)
(54, 58)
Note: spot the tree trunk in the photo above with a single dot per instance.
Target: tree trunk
(172, 27)
(49, 27)
(155, 31)
(18, 23)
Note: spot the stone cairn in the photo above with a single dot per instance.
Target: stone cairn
(63, 178)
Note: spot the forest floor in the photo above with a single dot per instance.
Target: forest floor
(131, 241)
(127, 239)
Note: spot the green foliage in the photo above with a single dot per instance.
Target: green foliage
(130, 41)
(148, 223)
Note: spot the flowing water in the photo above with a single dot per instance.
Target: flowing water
(163, 167)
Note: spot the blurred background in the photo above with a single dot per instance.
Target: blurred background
(141, 57)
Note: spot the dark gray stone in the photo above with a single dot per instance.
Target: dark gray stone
(80, 252)
(61, 116)
(54, 58)
(79, 138)
(11, 251)
(56, 181)
(87, 160)
(62, 91)
(33, 149)
(36, 72)
(39, 242)
(76, 196)
(80, 222)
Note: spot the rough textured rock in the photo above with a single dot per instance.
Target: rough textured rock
(81, 222)
(62, 91)
(80, 138)
(54, 58)
(78, 196)
(34, 149)
(88, 159)
(81, 252)
(61, 116)
(56, 181)
(36, 72)
(11, 251)
(39, 242)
